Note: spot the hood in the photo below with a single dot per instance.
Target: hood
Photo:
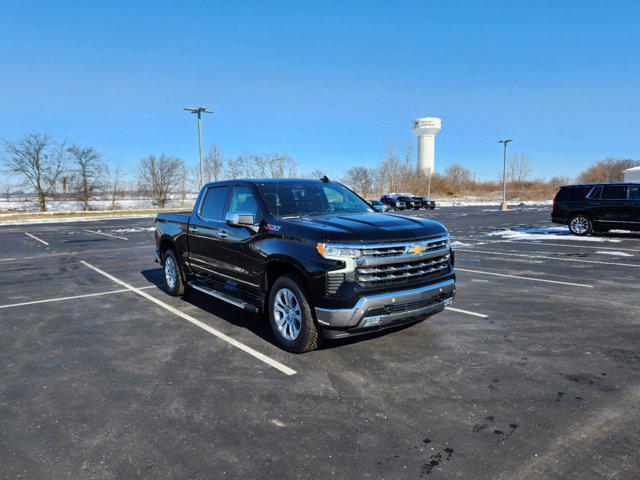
(367, 227)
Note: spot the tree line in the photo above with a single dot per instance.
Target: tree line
(60, 170)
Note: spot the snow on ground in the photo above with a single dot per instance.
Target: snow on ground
(617, 254)
(489, 203)
(547, 233)
(73, 206)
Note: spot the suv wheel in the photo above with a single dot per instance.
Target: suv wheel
(291, 317)
(580, 225)
(173, 275)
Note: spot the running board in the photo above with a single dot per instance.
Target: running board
(224, 297)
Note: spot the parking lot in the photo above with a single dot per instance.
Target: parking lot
(534, 372)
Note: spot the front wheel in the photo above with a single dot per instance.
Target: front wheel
(291, 317)
(580, 225)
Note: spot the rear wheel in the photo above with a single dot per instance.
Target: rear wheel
(291, 317)
(173, 275)
(580, 225)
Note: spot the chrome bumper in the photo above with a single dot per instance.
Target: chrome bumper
(387, 308)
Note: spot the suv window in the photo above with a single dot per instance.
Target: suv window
(634, 192)
(614, 192)
(572, 193)
(243, 201)
(215, 199)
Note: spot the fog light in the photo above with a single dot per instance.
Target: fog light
(371, 321)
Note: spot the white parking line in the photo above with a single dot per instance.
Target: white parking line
(260, 356)
(533, 279)
(74, 297)
(543, 243)
(106, 234)
(36, 238)
(467, 312)
(525, 255)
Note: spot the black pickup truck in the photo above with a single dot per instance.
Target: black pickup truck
(311, 255)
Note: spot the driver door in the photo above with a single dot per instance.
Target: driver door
(240, 261)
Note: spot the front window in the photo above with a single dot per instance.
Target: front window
(292, 198)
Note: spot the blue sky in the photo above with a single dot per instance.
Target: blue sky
(328, 82)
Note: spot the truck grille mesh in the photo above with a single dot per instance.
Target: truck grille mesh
(395, 273)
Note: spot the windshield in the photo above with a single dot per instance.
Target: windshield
(291, 198)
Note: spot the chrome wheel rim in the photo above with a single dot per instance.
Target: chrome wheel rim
(287, 314)
(170, 272)
(579, 225)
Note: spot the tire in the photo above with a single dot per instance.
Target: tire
(432, 208)
(290, 310)
(173, 274)
(580, 225)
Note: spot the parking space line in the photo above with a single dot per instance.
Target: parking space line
(467, 312)
(543, 243)
(525, 255)
(62, 254)
(106, 234)
(519, 277)
(74, 297)
(36, 238)
(260, 356)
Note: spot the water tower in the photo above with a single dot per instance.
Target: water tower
(426, 129)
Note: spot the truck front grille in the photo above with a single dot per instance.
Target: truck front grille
(396, 273)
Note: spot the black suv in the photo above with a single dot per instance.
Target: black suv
(598, 207)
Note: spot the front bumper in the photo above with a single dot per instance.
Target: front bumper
(388, 309)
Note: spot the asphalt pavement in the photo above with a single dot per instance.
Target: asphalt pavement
(534, 372)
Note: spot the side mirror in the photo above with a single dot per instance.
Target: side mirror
(240, 219)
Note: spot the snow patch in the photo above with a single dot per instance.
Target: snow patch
(133, 230)
(546, 233)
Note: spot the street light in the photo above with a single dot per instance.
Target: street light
(199, 111)
(504, 176)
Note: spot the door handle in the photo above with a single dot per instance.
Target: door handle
(222, 234)
(193, 229)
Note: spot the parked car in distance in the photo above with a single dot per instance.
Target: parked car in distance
(378, 206)
(310, 255)
(394, 203)
(409, 201)
(426, 203)
(598, 207)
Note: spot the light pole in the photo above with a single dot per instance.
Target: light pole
(199, 111)
(504, 176)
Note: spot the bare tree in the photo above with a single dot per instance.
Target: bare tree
(39, 161)
(160, 177)
(317, 173)
(362, 180)
(607, 170)
(213, 164)
(458, 175)
(518, 168)
(396, 168)
(113, 175)
(89, 168)
(282, 166)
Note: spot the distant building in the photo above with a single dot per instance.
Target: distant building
(632, 174)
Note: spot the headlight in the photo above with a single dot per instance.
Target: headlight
(332, 251)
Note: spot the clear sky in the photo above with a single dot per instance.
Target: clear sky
(328, 82)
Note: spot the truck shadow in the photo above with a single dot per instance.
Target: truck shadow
(255, 323)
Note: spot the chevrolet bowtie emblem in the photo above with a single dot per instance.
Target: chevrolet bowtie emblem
(416, 249)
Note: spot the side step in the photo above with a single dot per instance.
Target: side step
(224, 297)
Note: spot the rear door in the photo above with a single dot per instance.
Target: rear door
(634, 203)
(614, 204)
(204, 230)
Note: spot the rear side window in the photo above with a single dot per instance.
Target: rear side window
(634, 192)
(614, 192)
(572, 193)
(215, 199)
